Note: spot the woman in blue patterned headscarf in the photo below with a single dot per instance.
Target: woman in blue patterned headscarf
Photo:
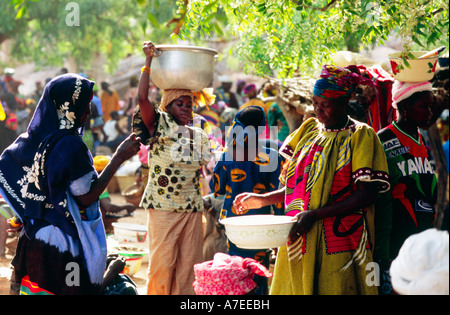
(48, 179)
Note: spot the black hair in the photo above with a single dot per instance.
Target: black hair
(251, 116)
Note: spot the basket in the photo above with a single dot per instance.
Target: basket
(133, 194)
(113, 186)
(125, 181)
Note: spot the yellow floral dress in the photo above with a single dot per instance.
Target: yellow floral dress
(175, 162)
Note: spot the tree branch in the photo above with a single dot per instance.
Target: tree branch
(296, 2)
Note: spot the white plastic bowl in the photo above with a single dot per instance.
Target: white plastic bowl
(130, 233)
(258, 231)
(420, 70)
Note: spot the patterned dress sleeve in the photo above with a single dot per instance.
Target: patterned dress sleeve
(138, 126)
(278, 208)
(220, 178)
(368, 160)
(289, 145)
(204, 150)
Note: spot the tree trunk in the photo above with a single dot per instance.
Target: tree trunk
(441, 173)
(293, 118)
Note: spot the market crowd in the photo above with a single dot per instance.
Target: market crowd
(356, 175)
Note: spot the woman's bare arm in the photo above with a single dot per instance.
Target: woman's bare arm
(364, 196)
(127, 149)
(247, 201)
(146, 107)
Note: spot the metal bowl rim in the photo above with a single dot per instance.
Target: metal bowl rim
(186, 48)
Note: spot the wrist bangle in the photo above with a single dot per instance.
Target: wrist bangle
(145, 69)
(14, 222)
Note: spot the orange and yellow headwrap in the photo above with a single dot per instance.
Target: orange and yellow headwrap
(204, 97)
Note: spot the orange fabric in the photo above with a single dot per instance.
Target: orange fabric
(176, 245)
(110, 103)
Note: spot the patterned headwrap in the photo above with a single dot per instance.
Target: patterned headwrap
(42, 171)
(335, 81)
(24, 182)
(204, 97)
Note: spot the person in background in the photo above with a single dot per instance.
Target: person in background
(96, 101)
(275, 117)
(251, 92)
(241, 99)
(131, 98)
(336, 166)
(24, 112)
(224, 92)
(112, 133)
(97, 122)
(235, 173)
(109, 209)
(109, 100)
(173, 195)
(48, 179)
(408, 208)
(8, 127)
(89, 128)
(38, 92)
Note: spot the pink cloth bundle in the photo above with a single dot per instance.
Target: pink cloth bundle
(227, 275)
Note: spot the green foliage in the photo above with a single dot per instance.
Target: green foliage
(40, 32)
(282, 37)
(278, 38)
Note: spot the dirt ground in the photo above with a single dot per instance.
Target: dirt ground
(139, 217)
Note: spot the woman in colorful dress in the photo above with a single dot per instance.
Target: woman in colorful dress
(408, 208)
(48, 178)
(173, 195)
(336, 167)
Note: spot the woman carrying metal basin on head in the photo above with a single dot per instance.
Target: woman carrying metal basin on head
(173, 194)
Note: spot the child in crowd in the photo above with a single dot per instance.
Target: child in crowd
(247, 165)
(173, 195)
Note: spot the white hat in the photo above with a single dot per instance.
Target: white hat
(421, 267)
(403, 90)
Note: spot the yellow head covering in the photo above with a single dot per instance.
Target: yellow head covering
(2, 112)
(100, 162)
(203, 98)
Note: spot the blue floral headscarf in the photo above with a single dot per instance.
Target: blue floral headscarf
(39, 199)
